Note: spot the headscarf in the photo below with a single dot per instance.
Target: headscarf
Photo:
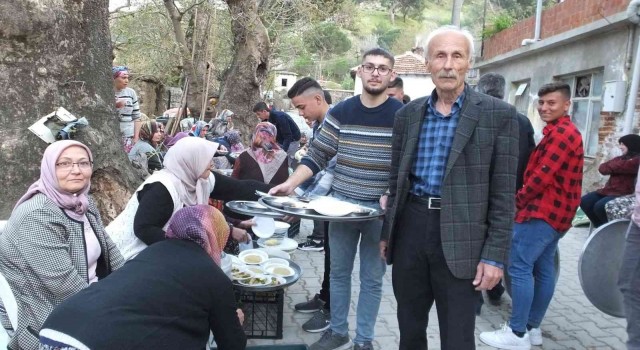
(186, 161)
(225, 114)
(632, 142)
(47, 184)
(148, 129)
(233, 136)
(119, 70)
(197, 128)
(170, 141)
(266, 151)
(202, 224)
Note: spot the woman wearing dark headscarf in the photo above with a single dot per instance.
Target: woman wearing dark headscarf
(134, 309)
(622, 172)
(54, 244)
(146, 150)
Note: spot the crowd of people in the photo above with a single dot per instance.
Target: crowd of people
(467, 197)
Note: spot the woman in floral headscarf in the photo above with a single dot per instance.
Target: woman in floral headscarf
(177, 311)
(54, 244)
(146, 151)
(265, 161)
(127, 106)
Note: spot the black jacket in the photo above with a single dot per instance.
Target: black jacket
(288, 130)
(167, 297)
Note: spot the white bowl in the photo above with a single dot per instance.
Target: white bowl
(275, 261)
(264, 227)
(281, 226)
(279, 270)
(253, 252)
(277, 253)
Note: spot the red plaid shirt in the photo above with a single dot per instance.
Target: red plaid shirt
(553, 179)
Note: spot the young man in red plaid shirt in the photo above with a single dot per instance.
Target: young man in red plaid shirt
(545, 204)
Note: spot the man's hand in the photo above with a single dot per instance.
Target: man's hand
(284, 189)
(383, 250)
(383, 201)
(240, 315)
(487, 276)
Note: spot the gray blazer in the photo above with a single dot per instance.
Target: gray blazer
(477, 190)
(43, 257)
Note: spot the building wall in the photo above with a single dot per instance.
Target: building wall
(558, 19)
(604, 52)
(291, 79)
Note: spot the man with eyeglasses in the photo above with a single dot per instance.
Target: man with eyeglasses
(450, 211)
(357, 131)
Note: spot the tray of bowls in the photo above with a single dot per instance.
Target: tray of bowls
(252, 208)
(255, 270)
(319, 208)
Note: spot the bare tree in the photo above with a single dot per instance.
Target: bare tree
(58, 54)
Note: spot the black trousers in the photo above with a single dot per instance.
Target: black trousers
(324, 291)
(421, 276)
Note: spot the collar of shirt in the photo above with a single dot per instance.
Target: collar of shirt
(433, 99)
(550, 126)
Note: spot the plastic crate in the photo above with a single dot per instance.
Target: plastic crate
(262, 313)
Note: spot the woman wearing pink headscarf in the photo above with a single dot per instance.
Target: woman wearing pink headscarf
(264, 161)
(54, 244)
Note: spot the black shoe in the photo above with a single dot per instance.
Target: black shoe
(312, 245)
(310, 306)
(320, 321)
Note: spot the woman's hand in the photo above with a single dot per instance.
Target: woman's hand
(240, 235)
(247, 224)
(240, 315)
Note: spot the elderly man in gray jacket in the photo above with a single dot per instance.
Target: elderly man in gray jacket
(451, 203)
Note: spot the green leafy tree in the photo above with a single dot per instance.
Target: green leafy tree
(327, 39)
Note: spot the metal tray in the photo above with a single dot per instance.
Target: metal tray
(307, 213)
(244, 207)
(599, 266)
(289, 280)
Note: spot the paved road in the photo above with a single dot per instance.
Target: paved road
(571, 322)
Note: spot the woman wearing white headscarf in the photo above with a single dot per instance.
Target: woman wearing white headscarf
(186, 180)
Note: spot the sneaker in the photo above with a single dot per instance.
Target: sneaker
(319, 322)
(310, 306)
(312, 245)
(535, 336)
(332, 341)
(365, 346)
(505, 339)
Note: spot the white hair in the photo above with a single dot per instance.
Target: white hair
(451, 29)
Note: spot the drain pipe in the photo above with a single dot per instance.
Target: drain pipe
(536, 34)
(633, 13)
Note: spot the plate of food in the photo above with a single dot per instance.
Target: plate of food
(253, 256)
(275, 261)
(286, 244)
(279, 270)
(256, 281)
(240, 274)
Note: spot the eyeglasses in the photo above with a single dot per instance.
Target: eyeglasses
(82, 165)
(382, 70)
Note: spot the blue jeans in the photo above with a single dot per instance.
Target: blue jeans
(343, 242)
(593, 204)
(532, 272)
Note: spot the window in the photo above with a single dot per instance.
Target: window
(586, 104)
(283, 83)
(521, 100)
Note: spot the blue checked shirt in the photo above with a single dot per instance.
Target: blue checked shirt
(434, 146)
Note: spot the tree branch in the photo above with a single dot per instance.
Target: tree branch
(191, 7)
(117, 9)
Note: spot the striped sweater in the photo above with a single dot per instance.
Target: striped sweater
(361, 139)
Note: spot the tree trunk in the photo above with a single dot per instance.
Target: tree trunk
(194, 93)
(456, 11)
(57, 53)
(392, 12)
(241, 87)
